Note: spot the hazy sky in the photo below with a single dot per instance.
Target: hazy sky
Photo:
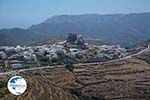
(24, 13)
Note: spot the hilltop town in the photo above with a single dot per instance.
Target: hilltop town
(73, 49)
(78, 70)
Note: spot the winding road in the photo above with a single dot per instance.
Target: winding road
(35, 68)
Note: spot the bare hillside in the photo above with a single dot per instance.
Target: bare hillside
(116, 80)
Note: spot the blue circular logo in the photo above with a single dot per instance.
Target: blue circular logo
(17, 85)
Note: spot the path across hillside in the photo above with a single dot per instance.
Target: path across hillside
(35, 68)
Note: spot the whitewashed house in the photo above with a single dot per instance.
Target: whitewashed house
(28, 56)
(73, 52)
(16, 66)
(3, 55)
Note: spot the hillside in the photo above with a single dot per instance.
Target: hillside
(125, 29)
(114, 80)
(17, 36)
(142, 44)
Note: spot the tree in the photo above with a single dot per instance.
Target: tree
(69, 64)
(70, 67)
(44, 60)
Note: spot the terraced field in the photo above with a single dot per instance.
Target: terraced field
(120, 80)
(123, 80)
(46, 84)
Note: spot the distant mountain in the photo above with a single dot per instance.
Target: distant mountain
(124, 29)
(17, 36)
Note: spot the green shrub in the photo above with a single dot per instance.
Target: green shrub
(2, 84)
(44, 60)
(2, 95)
(70, 67)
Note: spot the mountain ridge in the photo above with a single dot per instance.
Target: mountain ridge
(119, 28)
(123, 29)
(17, 36)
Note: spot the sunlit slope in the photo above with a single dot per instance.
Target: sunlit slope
(115, 80)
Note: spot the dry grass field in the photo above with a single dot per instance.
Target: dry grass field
(119, 80)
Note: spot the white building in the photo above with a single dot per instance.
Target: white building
(16, 66)
(3, 55)
(28, 56)
(52, 55)
(73, 52)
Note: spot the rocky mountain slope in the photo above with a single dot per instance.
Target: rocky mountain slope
(18, 36)
(124, 29)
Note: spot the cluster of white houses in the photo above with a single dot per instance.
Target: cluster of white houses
(31, 54)
(19, 55)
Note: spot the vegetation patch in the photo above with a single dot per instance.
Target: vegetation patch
(70, 67)
(3, 84)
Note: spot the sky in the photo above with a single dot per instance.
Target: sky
(24, 13)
